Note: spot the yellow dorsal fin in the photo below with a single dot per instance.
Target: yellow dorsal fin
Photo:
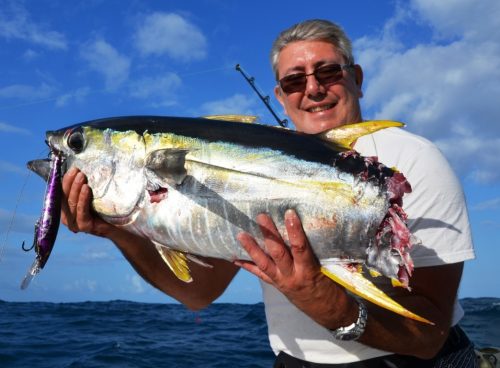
(176, 261)
(233, 117)
(346, 135)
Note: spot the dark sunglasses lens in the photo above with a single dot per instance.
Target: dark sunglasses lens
(293, 83)
(325, 75)
(328, 74)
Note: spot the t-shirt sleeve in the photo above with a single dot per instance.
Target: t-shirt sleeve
(437, 210)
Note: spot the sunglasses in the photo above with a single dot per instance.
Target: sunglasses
(325, 75)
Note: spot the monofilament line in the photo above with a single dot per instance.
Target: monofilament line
(11, 223)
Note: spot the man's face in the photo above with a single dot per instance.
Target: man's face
(318, 108)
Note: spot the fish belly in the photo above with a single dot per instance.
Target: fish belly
(205, 217)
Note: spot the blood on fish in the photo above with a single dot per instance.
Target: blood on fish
(156, 196)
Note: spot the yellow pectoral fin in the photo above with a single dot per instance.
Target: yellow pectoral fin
(176, 261)
(346, 135)
(359, 285)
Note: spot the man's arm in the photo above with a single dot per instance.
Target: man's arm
(208, 283)
(295, 271)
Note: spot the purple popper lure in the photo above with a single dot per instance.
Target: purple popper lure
(48, 224)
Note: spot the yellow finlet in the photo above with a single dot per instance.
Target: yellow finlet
(176, 261)
(346, 135)
(233, 117)
(374, 273)
(397, 283)
(359, 285)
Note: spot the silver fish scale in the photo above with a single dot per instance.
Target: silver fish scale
(203, 216)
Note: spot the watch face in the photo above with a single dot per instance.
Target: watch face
(354, 331)
(351, 335)
(346, 335)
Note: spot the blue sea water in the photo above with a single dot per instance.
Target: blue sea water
(129, 334)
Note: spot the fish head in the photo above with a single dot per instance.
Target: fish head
(113, 163)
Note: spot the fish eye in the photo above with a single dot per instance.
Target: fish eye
(76, 141)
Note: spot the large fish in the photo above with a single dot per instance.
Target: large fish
(191, 185)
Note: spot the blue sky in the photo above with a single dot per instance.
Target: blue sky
(433, 64)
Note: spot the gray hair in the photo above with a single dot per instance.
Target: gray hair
(314, 29)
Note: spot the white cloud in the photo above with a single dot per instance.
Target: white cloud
(11, 168)
(446, 88)
(237, 104)
(30, 55)
(172, 35)
(492, 204)
(81, 286)
(458, 17)
(160, 91)
(7, 128)
(136, 283)
(96, 255)
(77, 95)
(27, 92)
(107, 61)
(15, 23)
(491, 224)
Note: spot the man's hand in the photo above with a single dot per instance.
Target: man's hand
(296, 272)
(76, 213)
(208, 283)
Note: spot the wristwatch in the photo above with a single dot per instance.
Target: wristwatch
(355, 330)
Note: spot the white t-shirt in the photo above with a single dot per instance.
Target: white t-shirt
(437, 216)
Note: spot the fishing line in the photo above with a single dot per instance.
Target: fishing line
(28, 103)
(205, 71)
(92, 92)
(11, 223)
(56, 98)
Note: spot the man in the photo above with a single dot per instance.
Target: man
(314, 322)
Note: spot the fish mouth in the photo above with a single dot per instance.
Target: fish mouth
(41, 167)
(123, 220)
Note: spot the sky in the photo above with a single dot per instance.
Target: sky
(432, 64)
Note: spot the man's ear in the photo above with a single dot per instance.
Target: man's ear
(358, 78)
(278, 93)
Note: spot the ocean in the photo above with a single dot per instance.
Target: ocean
(130, 334)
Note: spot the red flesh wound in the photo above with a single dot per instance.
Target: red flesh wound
(156, 196)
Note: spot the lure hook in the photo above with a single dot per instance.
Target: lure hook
(34, 240)
(27, 249)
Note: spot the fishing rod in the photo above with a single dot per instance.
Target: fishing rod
(265, 99)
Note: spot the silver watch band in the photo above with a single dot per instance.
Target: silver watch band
(354, 330)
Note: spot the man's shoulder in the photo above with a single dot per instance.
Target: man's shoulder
(393, 141)
(401, 137)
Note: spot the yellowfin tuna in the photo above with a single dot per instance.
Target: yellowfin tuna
(192, 184)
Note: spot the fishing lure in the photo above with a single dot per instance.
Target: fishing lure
(48, 224)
